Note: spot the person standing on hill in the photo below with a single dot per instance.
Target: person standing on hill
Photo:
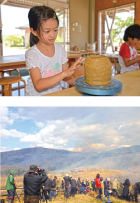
(115, 187)
(87, 183)
(33, 181)
(67, 180)
(78, 182)
(47, 189)
(98, 186)
(93, 185)
(53, 187)
(102, 185)
(62, 184)
(10, 186)
(73, 187)
(106, 188)
(126, 189)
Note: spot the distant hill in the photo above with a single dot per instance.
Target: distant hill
(120, 159)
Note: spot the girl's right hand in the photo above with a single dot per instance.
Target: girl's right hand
(70, 71)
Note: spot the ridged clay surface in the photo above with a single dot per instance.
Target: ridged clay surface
(98, 70)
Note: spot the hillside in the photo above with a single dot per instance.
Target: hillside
(118, 159)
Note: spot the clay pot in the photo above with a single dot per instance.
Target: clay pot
(76, 48)
(98, 70)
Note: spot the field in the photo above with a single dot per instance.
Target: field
(89, 173)
(79, 198)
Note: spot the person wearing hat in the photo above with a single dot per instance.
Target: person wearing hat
(32, 184)
(115, 187)
(67, 180)
(126, 189)
(10, 186)
(106, 188)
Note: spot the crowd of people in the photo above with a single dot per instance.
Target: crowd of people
(38, 186)
(121, 190)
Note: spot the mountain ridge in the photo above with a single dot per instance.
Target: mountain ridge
(121, 158)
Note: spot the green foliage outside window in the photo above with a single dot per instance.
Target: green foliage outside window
(13, 40)
(120, 25)
(59, 39)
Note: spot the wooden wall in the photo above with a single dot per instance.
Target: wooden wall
(79, 13)
(105, 4)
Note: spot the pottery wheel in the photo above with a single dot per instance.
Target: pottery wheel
(113, 88)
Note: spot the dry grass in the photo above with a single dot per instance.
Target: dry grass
(89, 173)
(18, 181)
(79, 198)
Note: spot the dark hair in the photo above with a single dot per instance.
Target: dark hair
(36, 15)
(133, 31)
(98, 175)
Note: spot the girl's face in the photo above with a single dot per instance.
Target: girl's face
(133, 42)
(48, 31)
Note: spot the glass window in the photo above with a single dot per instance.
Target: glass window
(63, 33)
(112, 24)
(16, 31)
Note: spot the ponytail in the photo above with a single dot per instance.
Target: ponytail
(33, 40)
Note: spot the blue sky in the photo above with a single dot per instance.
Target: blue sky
(71, 128)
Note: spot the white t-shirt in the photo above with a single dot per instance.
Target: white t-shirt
(127, 52)
(48, 66)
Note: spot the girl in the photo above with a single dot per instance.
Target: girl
(46, 60)
(128, 58)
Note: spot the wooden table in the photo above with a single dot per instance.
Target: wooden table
(18, 61)
(12, 62)
(114, 57)
(130, 81)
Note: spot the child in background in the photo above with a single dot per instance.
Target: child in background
(128, 58)
(46, 60)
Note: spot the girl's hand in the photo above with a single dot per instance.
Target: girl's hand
(70, 71)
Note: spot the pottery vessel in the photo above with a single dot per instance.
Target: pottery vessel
(98, 70)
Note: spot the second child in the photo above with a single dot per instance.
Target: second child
(128, 57)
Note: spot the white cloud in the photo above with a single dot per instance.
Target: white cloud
(12, 133)
(80, 149)
(98, 129)
(5, 117)
(124, 146)
(97, 146)
(17, 148)
(39, 124)
(3, 149)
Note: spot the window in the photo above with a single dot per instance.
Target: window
(16, 31)
(63, 33)
(112, 24)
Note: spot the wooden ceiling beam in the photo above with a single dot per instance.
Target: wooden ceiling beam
(29, 3)
(3, 2)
